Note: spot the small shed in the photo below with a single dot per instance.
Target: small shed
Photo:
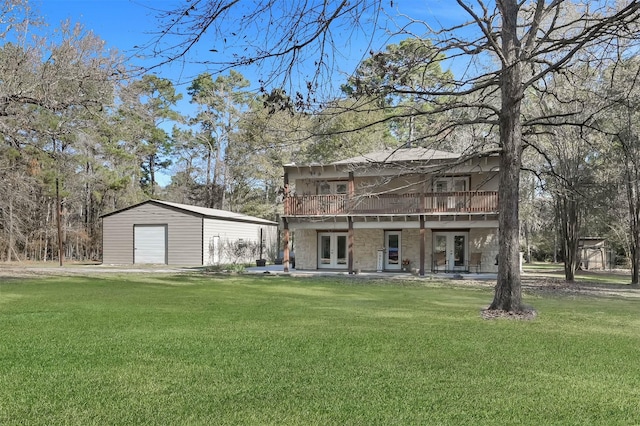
(161, 232)
(593, 253)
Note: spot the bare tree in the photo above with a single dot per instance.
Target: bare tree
(512, 45)
(621, 89)
(567, 147)
(52, 86)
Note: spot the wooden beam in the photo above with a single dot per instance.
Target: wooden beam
(286, 184)
(285, 226)
(422, 245)
(350, 246)
(352, 187)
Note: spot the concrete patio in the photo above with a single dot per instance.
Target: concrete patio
(279, 270)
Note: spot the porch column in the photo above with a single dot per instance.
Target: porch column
(285, 194)
(285, 223)
(350, 245)
(351, 191)
(285, 228)
(422, 244)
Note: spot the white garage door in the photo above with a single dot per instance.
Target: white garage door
(150, 244)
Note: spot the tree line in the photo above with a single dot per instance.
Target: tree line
(85, 134)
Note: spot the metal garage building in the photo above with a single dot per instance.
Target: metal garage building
(160, 232)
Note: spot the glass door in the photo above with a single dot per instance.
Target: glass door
(450, 251)
(440, 253)
(332, 250)
(393, 254)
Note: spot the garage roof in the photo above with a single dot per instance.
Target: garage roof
(202, 211)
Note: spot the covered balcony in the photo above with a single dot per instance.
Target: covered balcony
(436, 203)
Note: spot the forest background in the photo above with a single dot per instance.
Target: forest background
(88, 130)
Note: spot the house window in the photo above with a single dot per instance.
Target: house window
(324, 188)
(451, 184)
(332, 187)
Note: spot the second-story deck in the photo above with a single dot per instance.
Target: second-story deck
(465, 202)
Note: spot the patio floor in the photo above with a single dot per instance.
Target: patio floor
(279, 269)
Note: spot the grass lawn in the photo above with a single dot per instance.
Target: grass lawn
(188, 349)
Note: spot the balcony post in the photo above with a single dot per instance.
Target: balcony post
(285, 261)
(422, 245)
(286, 184)
(351, 192)
(350, 245)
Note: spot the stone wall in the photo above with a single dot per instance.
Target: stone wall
(411, 248)
(485, 241)
(368, 241)
(306, 248)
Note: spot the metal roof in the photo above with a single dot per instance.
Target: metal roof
(390, 156)
(204, 211)
(400, 155)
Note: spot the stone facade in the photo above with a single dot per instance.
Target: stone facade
(367, 242)
(485, 240)
(306, 248)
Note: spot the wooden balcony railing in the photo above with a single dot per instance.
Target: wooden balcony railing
(435, 203)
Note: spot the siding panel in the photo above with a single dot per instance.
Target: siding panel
(230, 232)
(184, 234)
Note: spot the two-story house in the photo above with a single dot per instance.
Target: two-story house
(411, 209)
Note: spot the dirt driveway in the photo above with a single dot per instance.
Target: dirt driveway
(16, 270)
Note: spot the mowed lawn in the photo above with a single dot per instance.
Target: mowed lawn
(190, 349)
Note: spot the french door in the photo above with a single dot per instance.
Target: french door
(332, 250)
(393, 255)
(450, 251)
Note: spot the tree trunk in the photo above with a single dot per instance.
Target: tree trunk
(633, 197)
(635, 258)
(568, 214)
(527, 241)
(152, 175)
(59, 223)
(210, 187)
(10, 229)
(508, 293)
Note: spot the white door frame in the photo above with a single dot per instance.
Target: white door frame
(332, 250)
(392, 250)
(455, 245)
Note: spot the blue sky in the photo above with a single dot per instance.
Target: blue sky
(124, 24)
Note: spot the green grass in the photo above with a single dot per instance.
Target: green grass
(278, 350)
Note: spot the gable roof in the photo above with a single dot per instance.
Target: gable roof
(203, 212)
(400, 155)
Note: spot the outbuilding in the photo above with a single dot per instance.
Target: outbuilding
(594, 253)
(161, 232)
